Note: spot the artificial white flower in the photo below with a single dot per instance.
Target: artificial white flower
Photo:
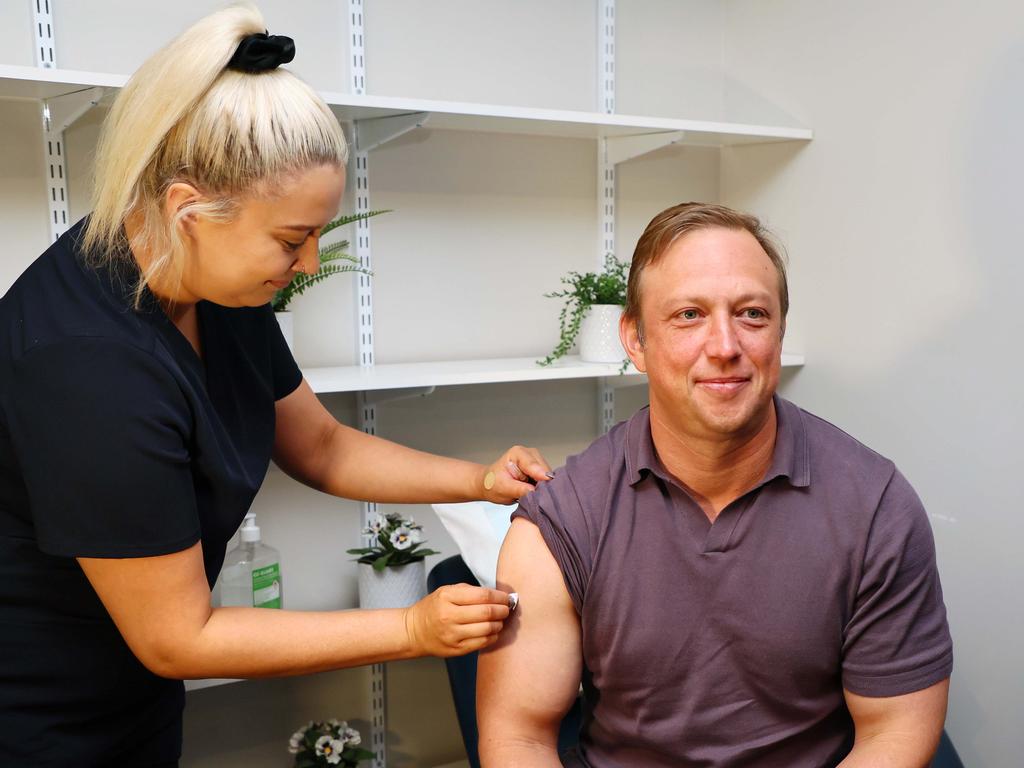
(330, 749)
(415, 535)
(295, 742)
(402, 538)
(337, 747)
(351, 737)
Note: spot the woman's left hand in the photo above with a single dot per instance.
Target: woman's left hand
(515, 474)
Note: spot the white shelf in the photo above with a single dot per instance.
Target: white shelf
(17, 82)
(38, 83)
(197, 685)
(354, 378)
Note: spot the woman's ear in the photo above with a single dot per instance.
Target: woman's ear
(178, 196)
(631, 336)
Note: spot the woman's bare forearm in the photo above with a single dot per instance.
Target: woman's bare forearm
(258, 642)
(361, 466)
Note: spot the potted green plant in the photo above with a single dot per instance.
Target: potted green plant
(392, 572)
(326, 744)
(334, 260)
(590, 315)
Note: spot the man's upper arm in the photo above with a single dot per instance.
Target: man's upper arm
(529, 679)
(904, 728)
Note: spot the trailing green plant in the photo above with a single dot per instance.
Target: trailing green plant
(581, 293)
(334, 260)
(396, 541)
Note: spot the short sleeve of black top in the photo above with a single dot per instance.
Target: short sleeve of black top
(116, 440)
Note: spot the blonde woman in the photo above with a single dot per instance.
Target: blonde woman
(145, 387)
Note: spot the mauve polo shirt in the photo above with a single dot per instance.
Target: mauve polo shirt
(730, 643)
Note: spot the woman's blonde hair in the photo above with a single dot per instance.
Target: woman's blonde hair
(184, 117)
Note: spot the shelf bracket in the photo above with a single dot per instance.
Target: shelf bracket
(61, 112)
(378, 396)
(376, 131)
(622, 148)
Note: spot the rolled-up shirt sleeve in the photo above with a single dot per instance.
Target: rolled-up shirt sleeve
(897, 640)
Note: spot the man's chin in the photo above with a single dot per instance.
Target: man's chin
(730, 419)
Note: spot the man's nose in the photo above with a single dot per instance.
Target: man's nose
(722, 339)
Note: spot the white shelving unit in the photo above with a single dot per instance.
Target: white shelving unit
(354, 378)
(35, 83)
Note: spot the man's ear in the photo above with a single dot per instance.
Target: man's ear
(179, 195)
(632, 342)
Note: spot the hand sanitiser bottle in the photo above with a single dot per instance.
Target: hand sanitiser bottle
(252, 571)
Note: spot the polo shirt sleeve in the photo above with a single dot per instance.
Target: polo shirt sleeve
(285, 371)
(555, 508)
(897, 640)
(102, 433)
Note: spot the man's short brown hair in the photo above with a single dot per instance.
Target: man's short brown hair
(678, 221)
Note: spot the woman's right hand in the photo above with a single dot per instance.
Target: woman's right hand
(456, 620)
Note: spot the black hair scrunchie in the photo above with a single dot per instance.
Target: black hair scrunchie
(260, 52)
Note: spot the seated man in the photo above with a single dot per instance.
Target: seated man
(735, 581)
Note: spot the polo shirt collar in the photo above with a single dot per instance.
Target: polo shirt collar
(790, 458)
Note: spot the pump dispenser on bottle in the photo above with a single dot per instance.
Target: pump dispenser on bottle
(252, 571)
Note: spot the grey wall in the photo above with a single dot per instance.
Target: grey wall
(901, 218)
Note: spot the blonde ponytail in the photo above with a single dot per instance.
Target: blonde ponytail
(184, 117)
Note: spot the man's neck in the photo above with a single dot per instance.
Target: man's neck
(715, 470)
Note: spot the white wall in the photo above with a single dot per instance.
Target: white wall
(902, 220)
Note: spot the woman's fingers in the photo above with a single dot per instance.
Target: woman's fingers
(450, 620)
(528, 464)
(467, 594)
(481, 629)
(515, 474)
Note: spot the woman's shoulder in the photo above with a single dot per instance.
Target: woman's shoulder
(60, 299)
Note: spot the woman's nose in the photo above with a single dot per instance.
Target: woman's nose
(308, 261)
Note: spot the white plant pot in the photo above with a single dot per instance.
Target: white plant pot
(599, 335)
(397, 587)
(284, 319)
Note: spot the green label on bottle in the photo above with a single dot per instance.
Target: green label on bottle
(266, 586)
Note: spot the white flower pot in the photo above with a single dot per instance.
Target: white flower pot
(284, 319)
(397, 587)
(599, 335)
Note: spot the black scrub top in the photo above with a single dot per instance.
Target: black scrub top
(116, 440)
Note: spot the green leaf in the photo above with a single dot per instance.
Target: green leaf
(350, 218)
(382, 562)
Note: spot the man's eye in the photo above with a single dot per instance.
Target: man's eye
(290, 245)
(754, 314)
(689, 314)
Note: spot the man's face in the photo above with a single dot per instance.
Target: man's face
(712, 327)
